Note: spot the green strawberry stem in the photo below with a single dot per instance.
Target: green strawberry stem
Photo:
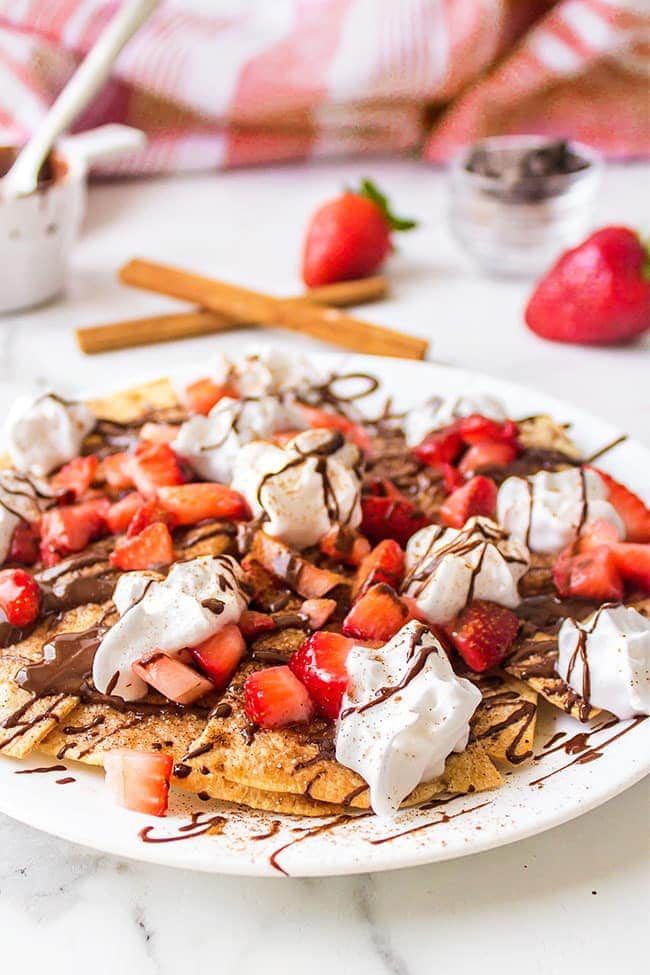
(373, 193)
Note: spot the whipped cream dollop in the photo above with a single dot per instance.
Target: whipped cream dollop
(548, 510)
(195, 601)
(259, 371)
(440, 411)
(210, 444)
(21, 499)
(44, 432)
(404, 712)
(304, 488)
(447, 567)
(606, 659)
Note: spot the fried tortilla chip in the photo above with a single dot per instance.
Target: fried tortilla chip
(504, 721)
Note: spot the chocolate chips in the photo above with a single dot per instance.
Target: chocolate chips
(526, 175)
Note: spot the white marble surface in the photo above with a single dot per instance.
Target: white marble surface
(576, 895)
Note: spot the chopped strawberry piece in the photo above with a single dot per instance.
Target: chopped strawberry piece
(377, 615)
(322, 419)
(117, 471)
(477, 497)
(284, 563)
(451, 478)
(253, 624)
(344, 545)
(318, 611)
(275, 697)
(415, 613)
(171, 677)
(152, 547)
(191, 503)
(483, 633)
(486, 455)
(634, 513)
(139, 781)
(76, 476)
(121, 512)
(153, 466)
(159, 432)
(320, 665)
(282, 437)
(203, 394)
(384, 564)
(594, 574)
(20, 596)
(395, 518)
(599, 532)
(633, 561)
(440, 447)
(476, 429)
(150, 513)
(70, 528)
(220, 655)
(25, 544)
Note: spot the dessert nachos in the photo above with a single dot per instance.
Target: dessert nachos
(246, 587)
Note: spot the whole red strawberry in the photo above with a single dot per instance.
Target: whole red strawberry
(597, 293)
(349, 237)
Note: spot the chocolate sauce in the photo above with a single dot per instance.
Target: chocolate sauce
(42, 769)
(306, 835)
(196, 827)
(523, 713)
(606, 449)
(181, 770)
(445, 818)
(68, 658)
(78, 591)
(65, 781)
(590, 754)
(273, 829)
(199, 750)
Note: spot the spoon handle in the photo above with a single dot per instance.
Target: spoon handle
(88, 78)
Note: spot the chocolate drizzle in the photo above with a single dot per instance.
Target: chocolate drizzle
(585, 754)
(444, 818)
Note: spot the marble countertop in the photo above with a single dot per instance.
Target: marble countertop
(576, 895)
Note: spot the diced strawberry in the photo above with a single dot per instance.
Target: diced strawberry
(377, 615)
(599, 532)
(76, 476)
(318, 611)
(415, 613)
(275, 697)
(25, 544)
(476, 429)
(486, 455)
(282, 437)
(159, 432)
(634, 513)
(149, 513)
(390, 518)
(203, 394)
(483, 633)
(121, 512)
(440, 447)
(20, 596)
(117, 471)
(384, 564)
(152, 547)
(320, 665)
(594, 574)
(633, 561)
(153, 466)
(70, 528)
(477, 497)
(139, 781)
(220, 655)
(284, 563)
(451, 477)
(323, 419)
(344, 545)
(191, 503)
(171, 677)
(253, 624)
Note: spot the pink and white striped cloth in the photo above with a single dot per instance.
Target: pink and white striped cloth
(222, 83)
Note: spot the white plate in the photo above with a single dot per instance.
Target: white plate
(82, 811)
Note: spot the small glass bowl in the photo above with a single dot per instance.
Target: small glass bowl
(514, 224)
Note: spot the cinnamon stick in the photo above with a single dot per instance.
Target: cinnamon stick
(253, 307)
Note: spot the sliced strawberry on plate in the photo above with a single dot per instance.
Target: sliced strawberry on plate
(149, 513)
(377, 615)
(253, 624)
(440, 447)
(599, 532)
(151, 548)
(25, 543)
(483, 633)
(633, 561)
(305, 578)
(320, 665)
(275, 697)
(344, 545)
(76, 476)
(477, 497)
(154, 465)
(395, 518)
(191, 503)
(384, 564)
(323, 419)
(70, 528)
(171, 677)
(220, 655)
(139, 781)
(159, 432)
(486, 455)
(318, 611)
(121, 512)
(477, 429)
(634, 513)
(203, 394)
(451, 478)
(117, 471)
(591, 574)
(20, 596)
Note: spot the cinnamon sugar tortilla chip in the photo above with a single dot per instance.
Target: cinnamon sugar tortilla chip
(505, 720)
(533, 661)
(546, 433)
(131, 404)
